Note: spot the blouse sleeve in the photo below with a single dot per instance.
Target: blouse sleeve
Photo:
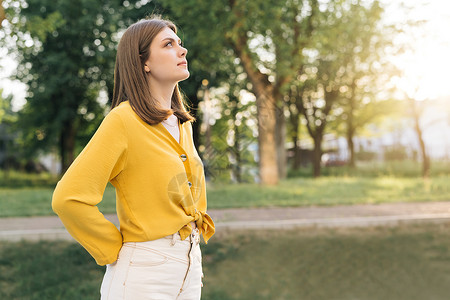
(81, 188)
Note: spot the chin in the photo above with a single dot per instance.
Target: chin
(186, 76)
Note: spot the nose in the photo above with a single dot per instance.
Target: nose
(184, 51)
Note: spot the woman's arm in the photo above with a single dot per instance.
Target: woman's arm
(81, 188)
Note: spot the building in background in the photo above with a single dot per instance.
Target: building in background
(435, 124)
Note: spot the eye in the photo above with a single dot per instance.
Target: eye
(170, 43)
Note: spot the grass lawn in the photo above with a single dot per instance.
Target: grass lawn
(290, 192)
(406, 262)
(330, 191)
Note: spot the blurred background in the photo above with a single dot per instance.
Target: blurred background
(279, 88)
(297, 103)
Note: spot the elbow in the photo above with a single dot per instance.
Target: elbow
(56, 206)
(58, 200)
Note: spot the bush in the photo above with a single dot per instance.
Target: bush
(16, 179)
(365, 155)
(397, 153)
(404, 168)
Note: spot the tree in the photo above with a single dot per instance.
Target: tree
(8, 150)
(66, 54)
(415, 110)
(7, 115)
(337, 63)
(267, 38)
(204, 65)
(288, 27)
(227, 148)
(364, 71)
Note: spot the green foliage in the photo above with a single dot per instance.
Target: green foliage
(395, 153)
(235, 162)
(10, 150)
(66, 52)
(7, 115)
(40, 28)
(228, 152)
(369, 169)
(214, 65)
(209, 56)
(365, 155)
(16, 179)
(320, 59)
(363, 70)
(344, 50)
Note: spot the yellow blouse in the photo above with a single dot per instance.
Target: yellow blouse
(160, 185)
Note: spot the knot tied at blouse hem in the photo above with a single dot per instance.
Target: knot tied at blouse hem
(204, 223)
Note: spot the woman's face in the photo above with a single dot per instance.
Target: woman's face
(167, 62)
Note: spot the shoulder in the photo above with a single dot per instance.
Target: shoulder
(124, 108)
(114, 120)
(187, 127)
(122, 113)
(129, 117)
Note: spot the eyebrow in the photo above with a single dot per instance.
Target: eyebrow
(171, 39)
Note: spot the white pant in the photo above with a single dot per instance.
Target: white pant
(167, 268)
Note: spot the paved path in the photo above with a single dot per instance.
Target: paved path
(50, 227)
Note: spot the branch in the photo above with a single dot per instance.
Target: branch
(239, 46)
(308, 122)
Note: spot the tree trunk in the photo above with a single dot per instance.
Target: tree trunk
(235, 150)
(425, 158)
(425, 163)
(266, 114)
(196, 125)
(209, 153)
(202, 136)
(237, 154)
(67, 146)
(351, 126)
(317, 155)
(295, 117)
(280, 135)
(268, 167)
(194, 109)
(351, 147)
(317, 132)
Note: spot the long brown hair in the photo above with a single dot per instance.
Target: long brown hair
(130, 79)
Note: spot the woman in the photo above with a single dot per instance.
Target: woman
(144, 147)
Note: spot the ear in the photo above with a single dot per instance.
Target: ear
(146, 68)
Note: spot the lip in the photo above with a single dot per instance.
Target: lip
(184, 63)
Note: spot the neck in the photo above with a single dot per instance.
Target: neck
(162, 93)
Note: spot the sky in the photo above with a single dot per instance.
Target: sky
(425, 69)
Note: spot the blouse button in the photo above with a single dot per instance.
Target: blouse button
(183, 157)
(190, 183)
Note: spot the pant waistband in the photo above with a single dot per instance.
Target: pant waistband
(193, 238)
